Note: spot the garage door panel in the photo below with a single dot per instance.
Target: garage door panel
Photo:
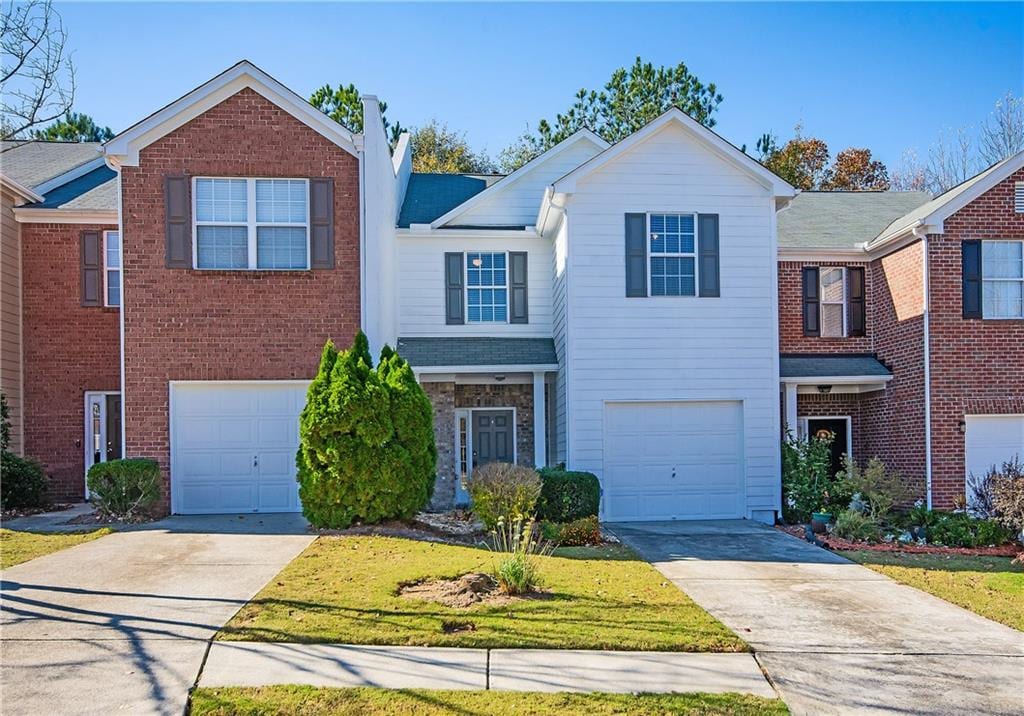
(992, 440)
(673, 460)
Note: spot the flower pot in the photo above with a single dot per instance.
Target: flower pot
(819, 522)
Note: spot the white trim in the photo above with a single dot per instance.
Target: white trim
(822, 302)
(80, 171)
(108, 269)
(20, 189)
(125, 147)
(836, 379)
(120, 323)
(33, 215)
(90, 397)
(444, 232)
(515, 176)
(780, 188)
(814, 255)
(1019, 280)
(804, 421)
(462, 414)
(540, 420)
(927, 339)
(525, 368)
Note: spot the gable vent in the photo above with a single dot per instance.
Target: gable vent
(1018, 197)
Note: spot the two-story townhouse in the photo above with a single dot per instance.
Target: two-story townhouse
(60, 298)
(902, 327)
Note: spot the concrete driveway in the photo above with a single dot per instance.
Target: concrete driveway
(121, 624)
(833, 636)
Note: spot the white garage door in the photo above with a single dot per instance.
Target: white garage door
(673, 460)
(992, 440)
(233, 447)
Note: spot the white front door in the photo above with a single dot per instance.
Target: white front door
(992, 440)
(673, 460)
(233, 446)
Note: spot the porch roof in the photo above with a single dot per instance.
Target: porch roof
(529, 353)
(794, 367)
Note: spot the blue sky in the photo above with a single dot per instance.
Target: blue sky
(885, 76)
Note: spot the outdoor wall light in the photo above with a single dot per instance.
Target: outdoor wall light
(962, 427)
(824, 389)
(499, 378)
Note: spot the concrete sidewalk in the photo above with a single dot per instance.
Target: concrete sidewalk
(265, 664)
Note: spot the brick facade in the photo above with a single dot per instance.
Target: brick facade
(68, 350)
(977, 366)
(228, 325)
(791, 326)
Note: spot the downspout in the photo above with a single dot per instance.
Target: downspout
(920, 233)
(362, 236)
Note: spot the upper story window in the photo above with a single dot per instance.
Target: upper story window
(486, 287)
(1002, 279)
(1018, 197)
(111, 268)
(833, 302)
(251, 223)
(672, 247)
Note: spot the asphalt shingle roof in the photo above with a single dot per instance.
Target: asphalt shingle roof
(473, 351)
(830, 366)
(32, 163)
(95, 191)
(430, 196)
(843, 219)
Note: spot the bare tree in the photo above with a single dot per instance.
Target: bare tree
(951, 160)
(1002, 134)
(37, 80)
(909, 174)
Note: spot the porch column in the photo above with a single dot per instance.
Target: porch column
(791, 415)
(540, 414)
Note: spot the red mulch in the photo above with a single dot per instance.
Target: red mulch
(1005, 550)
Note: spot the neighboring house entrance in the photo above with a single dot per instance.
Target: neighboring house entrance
(992, 440)
(839, 428)
(233, 446)
(102, 427)
(673, 460)
(493, 436)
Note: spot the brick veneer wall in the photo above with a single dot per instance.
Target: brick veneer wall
(228, 325)
(68, 350)
(442, 398)
(977, 366)
(836, 405)
(791, 324)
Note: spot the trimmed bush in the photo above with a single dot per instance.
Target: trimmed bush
(366, 440)
(503, 492)
(584, 531)
(125, 489)
(566, 496)
(962, 530)
(22, 481)
(854, 525)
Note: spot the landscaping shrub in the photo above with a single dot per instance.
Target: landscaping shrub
(584, 531)
(1008, 497)
(879, 488)
(521, 541)
(961, 530)
(366, 440)
(125, 489)
(22, 481)
(501, 491)
(807, 485)
(854, 525)
(567, 495)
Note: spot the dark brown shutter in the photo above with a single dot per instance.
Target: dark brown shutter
(970, 265)
(321, 220)
(177, 209)
(91, 255)
(707, 254)
(636, 255)
(855, 289)
(453, 295)
(518, 311)
(811, 309)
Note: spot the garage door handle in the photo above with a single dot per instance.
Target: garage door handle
(255, 460)
(673, 473)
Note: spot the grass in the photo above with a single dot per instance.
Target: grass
(309, 701)
(989, 586)
(344, 589)
(18, 547)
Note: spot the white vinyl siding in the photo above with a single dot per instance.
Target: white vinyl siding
(251, 223)
(832, 290)
(111, 268)
(649, 349)
(1002, 274)
(421, 282)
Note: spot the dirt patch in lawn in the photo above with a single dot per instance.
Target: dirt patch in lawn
(463, 592)
(1010, 549)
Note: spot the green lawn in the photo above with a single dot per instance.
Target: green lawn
(309, 701)
(989, 586)
(344, 589)
(18, 547)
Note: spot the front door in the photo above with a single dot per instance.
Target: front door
(103, 428)
(822, 427)
(492, 437)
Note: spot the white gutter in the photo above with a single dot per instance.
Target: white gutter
(361, 157)
(20, 189)
(919, 232)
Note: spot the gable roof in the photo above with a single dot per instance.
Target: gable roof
(429, 196)
(728, 151)
(34, 163)
(124, 148)
(842, 219)
(582, 135)
(934, 212)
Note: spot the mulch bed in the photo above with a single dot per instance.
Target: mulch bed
(445, 527)
(29, 511)
(832, 542)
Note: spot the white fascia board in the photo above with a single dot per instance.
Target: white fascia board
(837, 380)
(20, 189)
(80, 170)
(477, 369)
(778, 186)
(126, 145)
(28, 215)
(506, 181)
(795, 253)
(425, 230)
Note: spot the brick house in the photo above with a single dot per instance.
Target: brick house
(657, 311)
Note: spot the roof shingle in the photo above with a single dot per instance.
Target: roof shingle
(842, 219)
(831, 366)
(473, 351)
(430, 196)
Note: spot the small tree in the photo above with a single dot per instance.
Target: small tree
(366, 440)
(807, 485)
